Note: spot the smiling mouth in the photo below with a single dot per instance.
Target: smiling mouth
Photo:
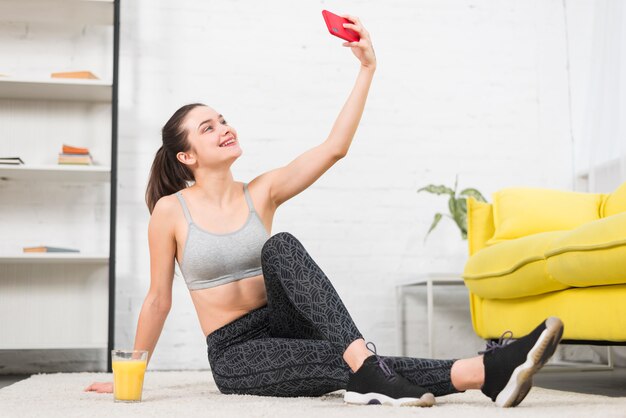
(228, 143)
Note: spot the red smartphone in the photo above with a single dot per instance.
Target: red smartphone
(335, 27)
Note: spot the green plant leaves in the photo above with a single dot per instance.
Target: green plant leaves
(457, 205)
(438, 190)
(458, 212)
(436, 220)
(473, 193)
(452, 206)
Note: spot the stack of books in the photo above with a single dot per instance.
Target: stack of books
(75, 155)
(11, 160)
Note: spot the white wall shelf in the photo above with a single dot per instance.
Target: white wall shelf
(52, 258)
(58, 11)
(58, 300)
(55, 89)
(55, 173)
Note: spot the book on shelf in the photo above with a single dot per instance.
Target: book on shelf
(11, 160)
(75, 155)
(70, 149)
(75, 159)
(47, 249)
(75, 74)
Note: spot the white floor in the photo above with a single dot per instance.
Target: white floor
(168, 394)
(607, 383)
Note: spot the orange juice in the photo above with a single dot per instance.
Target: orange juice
(128, 379)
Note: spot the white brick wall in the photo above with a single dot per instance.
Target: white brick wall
(474, 88)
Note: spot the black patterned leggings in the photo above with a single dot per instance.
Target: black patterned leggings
(294, 345)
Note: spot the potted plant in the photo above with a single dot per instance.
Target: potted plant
(457, 205)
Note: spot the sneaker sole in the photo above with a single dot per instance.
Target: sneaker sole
(521, 380)
(372, 398)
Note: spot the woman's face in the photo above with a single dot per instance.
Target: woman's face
(212, 140)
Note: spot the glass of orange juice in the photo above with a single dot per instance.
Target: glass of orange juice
(129, 367)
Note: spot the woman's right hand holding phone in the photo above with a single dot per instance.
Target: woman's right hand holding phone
(363, 49)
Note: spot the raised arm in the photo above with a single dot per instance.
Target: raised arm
(285, 182)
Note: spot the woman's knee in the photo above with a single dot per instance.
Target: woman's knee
(280, 243)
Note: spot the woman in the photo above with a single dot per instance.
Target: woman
(273, 322)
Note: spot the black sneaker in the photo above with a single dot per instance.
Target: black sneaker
(510, 365)
(374, 383)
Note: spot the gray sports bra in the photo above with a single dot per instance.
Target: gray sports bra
(211, 260)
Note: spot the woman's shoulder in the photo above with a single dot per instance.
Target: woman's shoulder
(166, 206)
(166, 216)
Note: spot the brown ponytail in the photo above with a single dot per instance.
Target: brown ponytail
(168, 175)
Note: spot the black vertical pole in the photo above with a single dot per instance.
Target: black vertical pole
(113, 217)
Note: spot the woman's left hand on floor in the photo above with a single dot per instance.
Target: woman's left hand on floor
(363, 49)
(100, 387)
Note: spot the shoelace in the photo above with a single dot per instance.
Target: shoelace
(502, 342)
(380, 361)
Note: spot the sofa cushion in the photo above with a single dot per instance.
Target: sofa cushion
(512, 269)
(479, 224)
(591, 255)
(615, 202)
(519, 212)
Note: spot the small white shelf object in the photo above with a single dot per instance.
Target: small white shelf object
(43, 258)
(55, 89)
(55, 173)
(429, 280)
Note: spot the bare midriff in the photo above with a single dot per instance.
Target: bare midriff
(220, 305)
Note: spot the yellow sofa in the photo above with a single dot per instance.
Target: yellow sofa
(538, 252)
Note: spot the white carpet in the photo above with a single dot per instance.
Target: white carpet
(193, 394)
